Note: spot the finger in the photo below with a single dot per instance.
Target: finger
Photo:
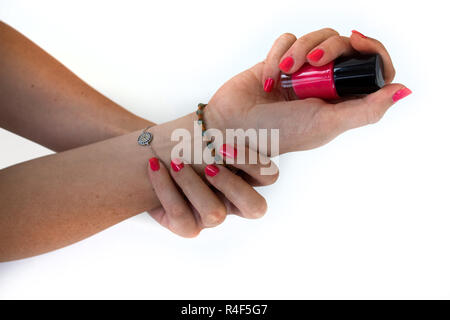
(259, 169)
(329, 50)
(231, 208)
(211, 210)
(178, 216)
(271, 72)
(249, 202)
(160, 215)
(367, 45)
(295, 56)
(370, 109)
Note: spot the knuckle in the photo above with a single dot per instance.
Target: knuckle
(373, 115)
(391, 78)
(287, 37)
(258, 210)
(303, 41)
(215, 217)
(178, 211)
(274, 177)
(374, 111)
(379, 44)
(333, 45)
(192, 233)
(336, 38)
(329, 30)
(271, 176)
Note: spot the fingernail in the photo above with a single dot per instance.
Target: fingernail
(400, 94)
(211, 170)
(177, 164)
(154, 164)
(359, 34)
(316, 55)
(268, 85)
(286, 64)
(228, 151)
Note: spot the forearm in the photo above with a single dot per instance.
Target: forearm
(53, 201)
(42, 100)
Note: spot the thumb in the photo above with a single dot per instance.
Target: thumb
(370, 109)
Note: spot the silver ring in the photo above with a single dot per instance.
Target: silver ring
(145, 137)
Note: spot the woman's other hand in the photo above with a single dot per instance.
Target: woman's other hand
(190, 203)
(252, 98)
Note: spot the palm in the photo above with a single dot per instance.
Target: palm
(241, 103)
(242, 92)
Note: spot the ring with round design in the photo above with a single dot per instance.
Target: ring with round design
(145, 137)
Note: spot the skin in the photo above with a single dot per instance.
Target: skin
(308, 123)
(57, 200)
(53, 201)
(45, 102)
(204, 206)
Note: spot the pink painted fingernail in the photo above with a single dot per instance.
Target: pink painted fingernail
(286, 64)
(177, 164)
(268, 85)
(154, 164)
(228, 151)
(211, 170)
(316, 55)
(400, 94)
(359, 34)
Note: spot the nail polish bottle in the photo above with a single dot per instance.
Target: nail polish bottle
(346, 76)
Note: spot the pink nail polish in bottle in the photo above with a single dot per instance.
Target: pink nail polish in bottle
(346, 76)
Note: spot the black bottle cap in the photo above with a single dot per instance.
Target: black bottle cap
(361, 74)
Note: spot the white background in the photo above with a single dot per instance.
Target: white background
(366, 216)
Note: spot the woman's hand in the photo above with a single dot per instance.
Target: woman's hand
(204, 206)
(252, 98)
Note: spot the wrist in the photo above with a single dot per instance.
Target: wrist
(213, 119)
(162, 143)
(130, 124)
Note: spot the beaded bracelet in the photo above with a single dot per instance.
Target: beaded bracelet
(201, 121)
(200, 111)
